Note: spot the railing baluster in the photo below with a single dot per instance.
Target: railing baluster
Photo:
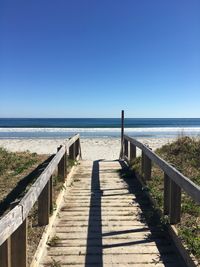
(19, 246)
(44, 205)
(142, 163)
(62, 166)
(132, 151)
(147, 168)
(175, 207)
(5, 254)
(167, 198)
(126, 147)
(72, 152)
(51, 194)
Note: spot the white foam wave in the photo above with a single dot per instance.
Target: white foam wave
(100, 130)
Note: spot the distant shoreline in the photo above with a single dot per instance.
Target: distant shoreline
(61, 133)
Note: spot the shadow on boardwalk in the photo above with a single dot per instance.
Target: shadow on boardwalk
(94, 246)
(147, 219)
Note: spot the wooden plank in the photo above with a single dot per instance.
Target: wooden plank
(184, 182)
(147, 168)
(10, 222)
(19, 246)
(175, 207)
(167, 199)
(44, 206)
(5, 254)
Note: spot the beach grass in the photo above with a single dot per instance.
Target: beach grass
(16, 176)
(184, 155)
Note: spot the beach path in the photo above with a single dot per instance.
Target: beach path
(105, 220)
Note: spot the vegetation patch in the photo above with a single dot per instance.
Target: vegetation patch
(184, 155)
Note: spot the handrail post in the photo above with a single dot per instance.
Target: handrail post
(5, 254)
(76, 148)
(62, 166)
(44, 205)
(142, 163)
(147, 168)
(175, 201)
(51, 194)
(132, 152)
(126, 148)
(167, 193)
(19, 246)
(72, 152)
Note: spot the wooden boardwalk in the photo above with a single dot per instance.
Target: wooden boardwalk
(105, 221)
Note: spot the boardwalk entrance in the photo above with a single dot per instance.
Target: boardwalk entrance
(105, 221)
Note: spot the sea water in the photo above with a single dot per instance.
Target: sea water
(97, 127)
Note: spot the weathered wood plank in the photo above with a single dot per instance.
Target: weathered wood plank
(126, 148)
(167, 198)
(44, 205)
(10, 222)
(147, 168)
(62, 167)
(19, 246)
(72, 155)
(132, 151)
(5, 254)
(184, 182)
(175, 203)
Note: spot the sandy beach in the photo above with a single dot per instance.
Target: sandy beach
(92, 148)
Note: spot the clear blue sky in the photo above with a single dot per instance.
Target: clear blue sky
(81, 58)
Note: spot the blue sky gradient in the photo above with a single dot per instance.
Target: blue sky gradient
(93, 58)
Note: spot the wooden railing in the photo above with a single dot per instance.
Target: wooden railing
(13, 226)
(174, 181)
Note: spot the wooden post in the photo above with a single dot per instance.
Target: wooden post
(62, 166)
(76, 148)
(167, 199)
(126, 148)
(142, 163)
(5, 254)
(79, 149)
(175, 200)
(19, 246)
(132, 151)
(147, 168)
(122, 135)
(44, 205)
(72, 152)
(51, 194)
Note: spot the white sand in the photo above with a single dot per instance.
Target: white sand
(92, 148)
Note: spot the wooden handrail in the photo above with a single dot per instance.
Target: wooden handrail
(174, 181)
(184, 182)
(14, 219)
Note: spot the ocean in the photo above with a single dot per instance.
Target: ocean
(97, 127)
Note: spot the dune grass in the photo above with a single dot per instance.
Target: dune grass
(184, 155)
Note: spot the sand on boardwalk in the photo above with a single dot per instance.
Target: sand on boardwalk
(92, 148)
